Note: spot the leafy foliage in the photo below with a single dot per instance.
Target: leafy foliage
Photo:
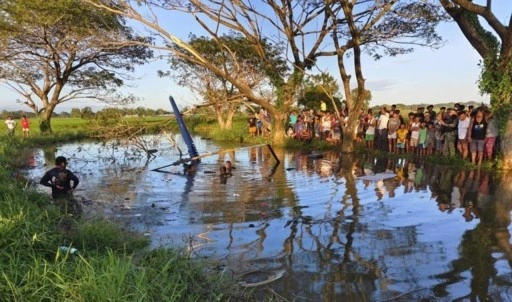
(55, 51)
(404, 25)
(318, 88)
(496, 79)
(236, 56)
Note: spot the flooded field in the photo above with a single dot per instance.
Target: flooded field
(320, 227)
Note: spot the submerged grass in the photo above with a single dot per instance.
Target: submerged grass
(111, 264)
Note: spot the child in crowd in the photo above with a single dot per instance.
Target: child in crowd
(439, 135)
(415, 133)
(491, 134)
(370, 131)
(317, 128)
(252, 126)
(410, 120)
(326, 126)
(422, 139)
(336, 132)
(401, 138)
(290, 132)
(431, 138)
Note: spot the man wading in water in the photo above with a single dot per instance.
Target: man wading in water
(59, 179)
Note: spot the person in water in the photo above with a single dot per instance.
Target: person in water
(225, 170)
(190, 168)
(63, 182)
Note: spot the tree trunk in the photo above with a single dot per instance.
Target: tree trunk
(503, 206)
(506, 144)
(229, 119)
(348, 143)
(220, 121)
(45, 117)
(228, 125)
(278, 129)
(225, 117)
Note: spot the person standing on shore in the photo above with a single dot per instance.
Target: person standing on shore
(11, 125)
(449, 129)
(25, 125)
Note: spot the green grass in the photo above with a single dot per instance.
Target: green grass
(80, 125)
(72, 129)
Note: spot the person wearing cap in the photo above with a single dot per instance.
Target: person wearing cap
(449, 129)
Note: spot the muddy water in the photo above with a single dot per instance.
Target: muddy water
(331, 226)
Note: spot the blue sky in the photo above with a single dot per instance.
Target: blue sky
(427, 75)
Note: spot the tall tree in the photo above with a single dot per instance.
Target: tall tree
(495, 48)
(305, 28)
(379, 28)
(299, 26)
(59, 50)
(218, 93)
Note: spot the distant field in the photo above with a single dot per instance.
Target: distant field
(74, 125)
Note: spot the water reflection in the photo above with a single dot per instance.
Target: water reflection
(343, 228)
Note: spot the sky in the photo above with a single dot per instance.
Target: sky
(448, 74)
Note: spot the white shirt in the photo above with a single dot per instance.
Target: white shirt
(10, 124)
(326, 123)
(383, 121)
(415, 133)
(371, 129)
(463, 128)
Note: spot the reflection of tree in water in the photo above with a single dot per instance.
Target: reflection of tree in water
(357, 267)
(479, 244)
(328, 263)
(49, 155)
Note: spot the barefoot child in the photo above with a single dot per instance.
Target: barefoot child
(401, 138)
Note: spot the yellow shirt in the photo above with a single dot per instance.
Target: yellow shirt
(401, 135)
(323, 106)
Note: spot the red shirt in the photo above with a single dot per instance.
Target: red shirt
(25, 123)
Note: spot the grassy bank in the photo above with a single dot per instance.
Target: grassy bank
(79, 127)
(110, 264)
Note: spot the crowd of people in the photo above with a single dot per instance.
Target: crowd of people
(259, 123)
(469, 132)
(309, 124)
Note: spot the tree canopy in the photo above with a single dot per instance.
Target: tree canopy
(318, 88)
(236, 56)
(55, 51)
(492, 39)
(307, 30)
